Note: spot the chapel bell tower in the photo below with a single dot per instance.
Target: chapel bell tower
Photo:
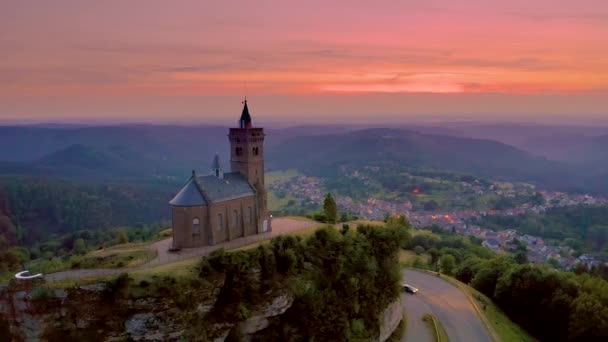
(247, 156)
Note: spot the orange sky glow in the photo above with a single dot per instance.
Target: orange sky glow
(178, 61)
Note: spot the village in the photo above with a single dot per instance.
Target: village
(309, 189)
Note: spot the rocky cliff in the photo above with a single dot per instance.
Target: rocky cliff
(329, 287)
(86, 313)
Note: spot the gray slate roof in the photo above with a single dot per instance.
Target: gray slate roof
(189, 196)
(206, 189)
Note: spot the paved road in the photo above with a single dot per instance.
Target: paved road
(280, 226)
(448, 303)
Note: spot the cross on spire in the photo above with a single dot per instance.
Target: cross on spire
(245, 121)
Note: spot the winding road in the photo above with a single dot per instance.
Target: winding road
(445, 301)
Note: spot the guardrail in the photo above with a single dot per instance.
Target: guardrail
(25, 275)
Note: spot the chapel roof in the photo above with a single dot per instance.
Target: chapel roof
(201, 190)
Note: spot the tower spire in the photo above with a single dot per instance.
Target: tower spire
(245, 121)
(216, 167)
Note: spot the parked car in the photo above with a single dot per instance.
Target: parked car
(409, 288)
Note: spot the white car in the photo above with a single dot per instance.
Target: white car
(409, 288)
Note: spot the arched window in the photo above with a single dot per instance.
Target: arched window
(196, 226)
(235, 218)
(220, 221)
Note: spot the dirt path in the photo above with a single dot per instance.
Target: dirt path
(280, 226)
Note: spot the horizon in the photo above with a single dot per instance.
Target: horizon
(109, 62)
(278, 124)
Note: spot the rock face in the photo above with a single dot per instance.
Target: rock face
(390, 319)
(87, 312)
(87, 309)
(259, 320)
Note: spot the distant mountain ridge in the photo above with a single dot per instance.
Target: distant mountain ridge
(146, 150)
(485, 158)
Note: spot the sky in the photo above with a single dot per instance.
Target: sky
(304, 61)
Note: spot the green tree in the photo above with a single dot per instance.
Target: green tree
(330, 209)
(447, 263)
(521, 257)
(487, 276)
(588, 319)
(419, 250)
(417, 263)
(344, 217)
(122, 237)
(553, 262)
(468, 268)
(80, 247)
(434, 253)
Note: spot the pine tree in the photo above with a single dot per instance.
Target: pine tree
(330, 209)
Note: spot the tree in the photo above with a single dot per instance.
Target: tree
(8, 230)
(447, 263)
(417, 263)
(80, 247)
(588, 319)
(345, 228)
(434, 253)
(330, 209)
(122, 237)
(553, 262)
(468, 268)
(344, 217)
(521, 257)
(487, 276)
(419, 250)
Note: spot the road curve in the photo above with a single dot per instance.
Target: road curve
(448, 303)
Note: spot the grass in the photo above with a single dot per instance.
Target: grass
(436, 328)
(276, 203)
(118, 256)
(163, 234)
(278, 176)
(399, 332)
(175, 269)
(178, 268)
(304, 232)
(299, 218)
(407, 257)
(126, 255)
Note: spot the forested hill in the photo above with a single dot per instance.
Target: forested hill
(120, 152)
(33, 209)
(323, 155)
(116, 151)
